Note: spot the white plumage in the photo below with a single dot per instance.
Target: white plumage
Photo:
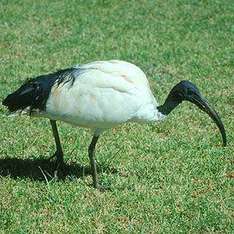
(105, 94)
(100, 95)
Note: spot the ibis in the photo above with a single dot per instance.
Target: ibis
(100, 95)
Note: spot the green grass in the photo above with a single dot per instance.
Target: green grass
(173, 177)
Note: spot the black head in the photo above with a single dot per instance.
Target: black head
(187, 91)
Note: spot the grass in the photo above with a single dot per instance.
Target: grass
(173, 177)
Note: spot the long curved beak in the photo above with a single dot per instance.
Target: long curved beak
(203, 104)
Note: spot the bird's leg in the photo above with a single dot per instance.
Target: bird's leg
(59, 152)
(93, 161)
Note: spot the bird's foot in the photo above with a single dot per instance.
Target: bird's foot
(59, 164)
(55, 155)
(59, 169)
(58, 155)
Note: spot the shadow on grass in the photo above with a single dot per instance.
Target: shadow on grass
(43, 169)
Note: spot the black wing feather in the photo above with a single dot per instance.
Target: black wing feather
(35, 91)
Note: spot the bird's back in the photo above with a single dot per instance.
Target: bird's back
(121, 69)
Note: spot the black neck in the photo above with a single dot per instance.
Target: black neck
(169, 105)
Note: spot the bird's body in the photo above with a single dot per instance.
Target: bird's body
(100, 95)
(103, 95)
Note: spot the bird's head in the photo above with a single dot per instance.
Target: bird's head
(187, 91)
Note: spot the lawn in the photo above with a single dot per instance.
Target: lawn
(172, 177)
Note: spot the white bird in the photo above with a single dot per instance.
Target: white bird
(100, 95)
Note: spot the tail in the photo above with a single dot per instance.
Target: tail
(35, 92)
(28, 95)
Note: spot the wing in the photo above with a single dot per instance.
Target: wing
(33, 94)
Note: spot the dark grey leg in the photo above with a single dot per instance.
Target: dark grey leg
(59, 152)
(93, 161)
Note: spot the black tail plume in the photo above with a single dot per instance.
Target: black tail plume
(35, 92)
(28, 95)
